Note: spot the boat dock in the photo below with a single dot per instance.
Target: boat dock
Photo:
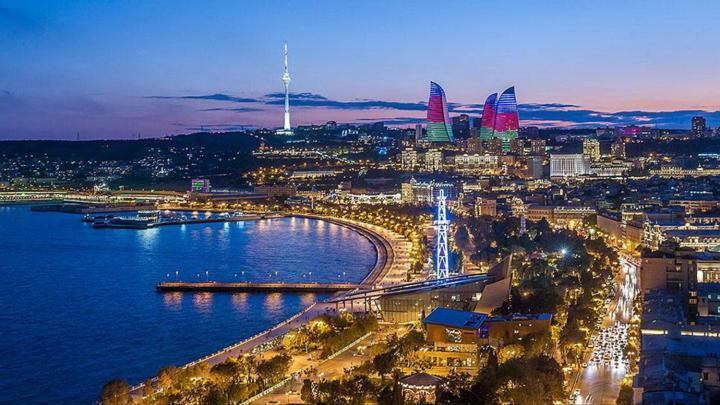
(211, 286)
(144, 223)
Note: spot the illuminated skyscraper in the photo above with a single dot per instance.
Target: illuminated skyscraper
(439, 126)
(591, 148)
(699, 125)
(487, 123)
(507, 122)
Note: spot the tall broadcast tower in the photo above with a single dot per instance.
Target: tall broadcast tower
(442, 268)
(287, 129)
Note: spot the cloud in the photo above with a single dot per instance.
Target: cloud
(394, 120)
(541, 114)
(238, 109)
(296, 96)
(353, 105)
(215, 97)
(219, 127)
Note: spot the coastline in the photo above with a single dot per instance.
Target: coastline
(387, 245)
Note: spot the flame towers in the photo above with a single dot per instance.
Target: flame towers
(439, 126)
(500, 118)
(487, 123)
(507, 122)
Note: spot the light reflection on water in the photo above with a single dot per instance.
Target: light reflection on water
(240, 301)
(173, 301)
(203, 302)
(86, 294)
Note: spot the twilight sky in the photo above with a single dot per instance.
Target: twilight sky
(112, 69)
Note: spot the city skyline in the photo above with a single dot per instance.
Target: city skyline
(114, 70)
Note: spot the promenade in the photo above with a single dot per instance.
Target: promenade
(390, 269)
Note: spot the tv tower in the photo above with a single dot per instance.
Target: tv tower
(442, 268)
(287, 129)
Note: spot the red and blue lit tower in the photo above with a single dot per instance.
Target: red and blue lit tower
(439, 126)
(507, 122)
(487, 123)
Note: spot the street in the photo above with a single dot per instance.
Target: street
(606, 364)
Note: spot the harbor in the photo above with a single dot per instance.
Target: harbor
(154, 219)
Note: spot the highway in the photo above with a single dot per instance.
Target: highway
(606, 365)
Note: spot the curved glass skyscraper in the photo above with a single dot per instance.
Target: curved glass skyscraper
(507, 122)
(439, 126)
(487, 123)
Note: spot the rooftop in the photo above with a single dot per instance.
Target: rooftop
(421, 379)
(455, 318)
(520, 317)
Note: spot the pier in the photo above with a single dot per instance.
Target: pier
(211, 286)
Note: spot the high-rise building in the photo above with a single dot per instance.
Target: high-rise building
(474, 144)
(699, 125)
(487, 122)
(507, 121)
(517, 146)
(591, 148)
(418, 133)
(617, 149)
(529, 132)
(569, 165)
(494, 146)
(287, 129)
(439, 126)
(461, 126)
(537, 147)
(534, 167)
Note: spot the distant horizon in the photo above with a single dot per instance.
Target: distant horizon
(115, 69)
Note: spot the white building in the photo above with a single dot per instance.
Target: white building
(475, 162)
(569, 165)
(434, 160)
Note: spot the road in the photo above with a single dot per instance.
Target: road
(600, 383)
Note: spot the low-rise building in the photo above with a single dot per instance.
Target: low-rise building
(566, 216)
(485, 206)
(476, 163)
(455, 337)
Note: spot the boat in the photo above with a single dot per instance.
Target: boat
(93, 219)
(124, 223)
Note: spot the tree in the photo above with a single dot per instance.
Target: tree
(625, 396)
(307, 392)
(216, 396)
(384, 363)
(115, 392)
(167, 376)
(148, 388)
(270, 370)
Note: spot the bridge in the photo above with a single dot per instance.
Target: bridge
(211, 286)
